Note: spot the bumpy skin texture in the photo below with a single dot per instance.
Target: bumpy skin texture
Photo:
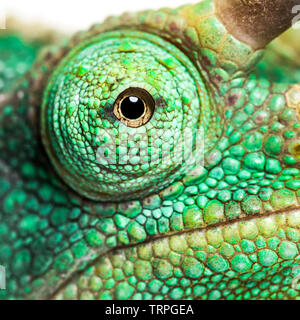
(229, 230)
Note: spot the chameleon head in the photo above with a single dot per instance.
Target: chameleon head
(116, 103)
(121, 115)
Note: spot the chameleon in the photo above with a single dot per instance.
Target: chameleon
(153, 156)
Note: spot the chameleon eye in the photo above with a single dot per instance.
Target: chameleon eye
(121, 116)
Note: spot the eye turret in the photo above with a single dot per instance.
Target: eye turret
(123, 116)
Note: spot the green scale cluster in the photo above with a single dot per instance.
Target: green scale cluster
(226, 230)
(244, 260)
(16, 57)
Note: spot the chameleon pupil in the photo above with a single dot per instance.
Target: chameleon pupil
(132, 107)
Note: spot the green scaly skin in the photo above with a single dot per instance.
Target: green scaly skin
(229, 230)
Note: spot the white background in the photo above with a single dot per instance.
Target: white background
(69, 16)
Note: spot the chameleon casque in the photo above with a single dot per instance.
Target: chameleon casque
(95, 202)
